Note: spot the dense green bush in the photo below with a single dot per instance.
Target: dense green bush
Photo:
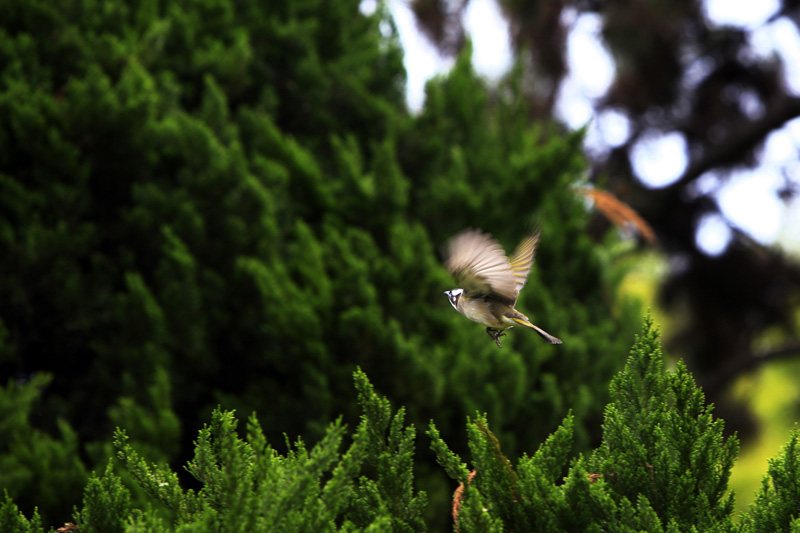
(227, 203)
(663, 465)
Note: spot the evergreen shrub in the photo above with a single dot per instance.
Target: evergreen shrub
(228, 203)
(662, 466)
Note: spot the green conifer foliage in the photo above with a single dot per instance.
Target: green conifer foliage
(247, 485)
(663, 464)
(106, 504)
(776, 505)
(227, 203)
(11, 519)
(34, 465)
(661, 442)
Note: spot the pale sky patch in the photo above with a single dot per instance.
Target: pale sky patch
(489, 31)
(742, 13)
(781, 38)
(421, 59)
(659, 158)
(749, 196)
(713, 234)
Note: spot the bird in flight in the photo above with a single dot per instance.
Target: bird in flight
(490, 282)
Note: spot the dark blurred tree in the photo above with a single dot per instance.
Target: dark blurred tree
(228, 203)
(676, 71)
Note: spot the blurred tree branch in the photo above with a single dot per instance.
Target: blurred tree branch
(747, 363)
(744, 139)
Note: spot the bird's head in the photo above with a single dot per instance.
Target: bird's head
(453, 296)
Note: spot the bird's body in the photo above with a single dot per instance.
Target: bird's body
(491, 282)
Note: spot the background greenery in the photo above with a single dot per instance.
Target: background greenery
(227, 203)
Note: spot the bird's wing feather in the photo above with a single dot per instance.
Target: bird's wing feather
(480, 266)
(522, 260)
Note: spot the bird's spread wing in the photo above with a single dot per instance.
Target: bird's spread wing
(481, 267)
(522, 260)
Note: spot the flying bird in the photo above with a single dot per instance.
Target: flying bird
(490, 282)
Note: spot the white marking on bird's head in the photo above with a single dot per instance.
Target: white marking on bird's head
(454, 295)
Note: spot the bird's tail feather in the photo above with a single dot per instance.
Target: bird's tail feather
(546, 336)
